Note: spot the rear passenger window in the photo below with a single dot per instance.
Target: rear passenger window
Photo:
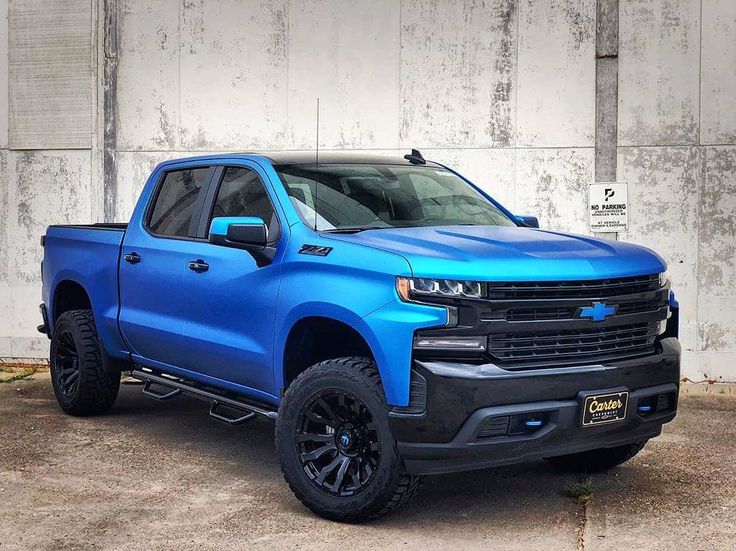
(242, 193)
(174, 207)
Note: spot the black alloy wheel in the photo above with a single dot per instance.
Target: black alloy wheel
(338, 443)
(66, 363)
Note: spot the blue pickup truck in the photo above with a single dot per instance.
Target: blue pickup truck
(391, 318)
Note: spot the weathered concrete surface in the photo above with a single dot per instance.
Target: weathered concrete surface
(148, 75)
(4, 58)
(164, 476)
(606, 119)
(717, 263)
(718, 73)
(50, 74)
(458, 66)
(360, 76)
(663, 190)
(233, 59)
(659, 60)
(44, 187)
(553, 184)
(556, 74)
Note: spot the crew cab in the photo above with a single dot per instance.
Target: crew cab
(391, 317)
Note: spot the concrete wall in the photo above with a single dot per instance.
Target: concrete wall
(505, 90)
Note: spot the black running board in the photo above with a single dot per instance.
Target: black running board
(219, 403)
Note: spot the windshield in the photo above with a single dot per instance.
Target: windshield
(356, 197)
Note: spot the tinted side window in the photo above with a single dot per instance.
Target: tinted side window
(172, 213)
(242, 193)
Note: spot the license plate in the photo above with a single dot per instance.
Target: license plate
(605, 408)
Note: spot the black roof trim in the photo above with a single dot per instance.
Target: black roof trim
(334, 157)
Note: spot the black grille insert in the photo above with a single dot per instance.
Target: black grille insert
(596, 288)
(575, 346)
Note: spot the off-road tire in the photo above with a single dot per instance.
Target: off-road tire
(97, 389)
(390, 488)
(599, 460)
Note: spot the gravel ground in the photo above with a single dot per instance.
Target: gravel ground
(164, 476)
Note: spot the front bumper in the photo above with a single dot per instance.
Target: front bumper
(463, 399)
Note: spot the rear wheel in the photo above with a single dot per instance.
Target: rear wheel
(81, 384)
(335, 446)
(598, 460)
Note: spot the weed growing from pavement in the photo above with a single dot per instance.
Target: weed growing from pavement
(582, 490)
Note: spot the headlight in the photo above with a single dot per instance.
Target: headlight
(414, 288)
(663, 279)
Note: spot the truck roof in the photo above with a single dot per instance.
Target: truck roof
(308, 157)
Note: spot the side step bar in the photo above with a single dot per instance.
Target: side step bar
(220, 404)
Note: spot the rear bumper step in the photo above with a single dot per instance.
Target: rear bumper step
(218, 401)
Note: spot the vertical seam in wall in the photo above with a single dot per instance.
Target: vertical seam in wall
(288, 134)
(399, 119)
(516, 101)
(699, 182)
(180, 16)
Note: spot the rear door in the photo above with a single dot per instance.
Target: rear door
(153, 296)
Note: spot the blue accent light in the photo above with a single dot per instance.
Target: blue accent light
(533, 423)
(644, 409)
(598, 312)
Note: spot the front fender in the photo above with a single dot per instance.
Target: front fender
(389, 331)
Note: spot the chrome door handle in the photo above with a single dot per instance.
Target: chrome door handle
(198, 266)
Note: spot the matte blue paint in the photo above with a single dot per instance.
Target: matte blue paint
(219, 225)
(598, 312)
(228, 327)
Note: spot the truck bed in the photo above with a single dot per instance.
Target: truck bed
(86, 254)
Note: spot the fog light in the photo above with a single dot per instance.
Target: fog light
(450, 343)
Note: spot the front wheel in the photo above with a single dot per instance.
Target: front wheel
(335, 447)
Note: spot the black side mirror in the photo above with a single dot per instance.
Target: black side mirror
(528, 221)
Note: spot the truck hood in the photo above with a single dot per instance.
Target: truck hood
(495, 253)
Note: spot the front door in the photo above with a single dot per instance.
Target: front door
(231, 301)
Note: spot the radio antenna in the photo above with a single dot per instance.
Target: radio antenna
(316, 168)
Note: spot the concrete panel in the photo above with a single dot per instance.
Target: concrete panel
(717, 251)
(4, 73)
(663, 190)
(718, 73)
(659, 56)
(347, 54)
(712, 366)
(50, 74)
(717, 222)
(4, 202)
(148, 75)
(556, 74)
(490, 169)
(47, 187)
(457, 73)
(552, 184)
(234, 74)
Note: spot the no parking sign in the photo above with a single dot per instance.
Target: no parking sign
(609, 207)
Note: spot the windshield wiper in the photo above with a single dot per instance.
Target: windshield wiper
(350, 230)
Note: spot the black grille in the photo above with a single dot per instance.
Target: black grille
(575, 346)
(597, 288)
(560, 313)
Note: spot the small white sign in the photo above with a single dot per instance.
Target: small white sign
(609, 207)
